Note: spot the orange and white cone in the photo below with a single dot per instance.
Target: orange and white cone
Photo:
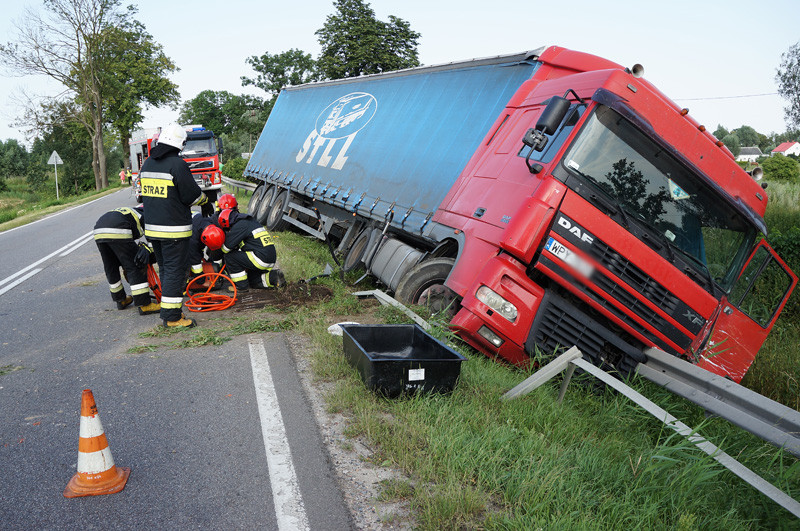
(96, 473)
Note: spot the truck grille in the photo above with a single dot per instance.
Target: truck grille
(634, 277)
(637, 280)
(632, 303)
(559, 325)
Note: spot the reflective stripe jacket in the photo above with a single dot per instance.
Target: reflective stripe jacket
(247, 234)
(168, 193)
(119, 224)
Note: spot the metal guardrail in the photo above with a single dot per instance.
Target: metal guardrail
(233, 183)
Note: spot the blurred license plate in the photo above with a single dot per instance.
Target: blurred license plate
(568, 257)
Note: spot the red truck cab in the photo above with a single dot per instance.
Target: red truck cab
(609, 219)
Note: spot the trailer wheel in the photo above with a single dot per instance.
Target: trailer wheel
(355, 254)
(274, 220)
(255, 199)
(423, 284)
(260, 213)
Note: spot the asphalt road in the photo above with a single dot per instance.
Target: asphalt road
(216, 437)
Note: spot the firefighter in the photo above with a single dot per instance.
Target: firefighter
(249, 253)
(205, 243)
(115, 234)
(227, 201)
(168, 193)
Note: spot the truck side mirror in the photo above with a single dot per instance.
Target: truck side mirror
(220, 148)
(552, 115)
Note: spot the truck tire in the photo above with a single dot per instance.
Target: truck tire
(274, 220)
(255, 199)
(260, 213)
(423, 284)
(354, 258)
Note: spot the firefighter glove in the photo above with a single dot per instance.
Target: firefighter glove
(142, 257)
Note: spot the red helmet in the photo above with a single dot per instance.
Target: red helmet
(227, 201)
(213, 237)
(225, 218)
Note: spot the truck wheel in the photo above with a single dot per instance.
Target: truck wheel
(423, 284)
(355, 255)
(274, 220)
(252, 205)
(260, 213)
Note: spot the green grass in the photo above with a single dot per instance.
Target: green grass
(20, 205)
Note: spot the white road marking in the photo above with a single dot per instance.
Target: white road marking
(19, 281)
(76, 243)
(289, 509)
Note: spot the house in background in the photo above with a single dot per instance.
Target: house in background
(749, 154)
(787, 148)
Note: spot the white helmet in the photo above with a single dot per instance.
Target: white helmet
(173, 135)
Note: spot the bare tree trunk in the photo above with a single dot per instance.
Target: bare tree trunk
(98, 184)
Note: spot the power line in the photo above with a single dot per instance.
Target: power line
(728, 97)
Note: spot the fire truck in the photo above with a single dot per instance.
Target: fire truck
(201, 153)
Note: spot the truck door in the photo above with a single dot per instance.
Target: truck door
(748, 313)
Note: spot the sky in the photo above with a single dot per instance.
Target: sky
(718, 58)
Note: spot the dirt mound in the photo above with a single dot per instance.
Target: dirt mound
(290, 296)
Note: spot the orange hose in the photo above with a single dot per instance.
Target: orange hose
(154, 281)
(207, 301)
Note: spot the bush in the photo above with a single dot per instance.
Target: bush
(787, 245)
(234, 168)
(781, 168)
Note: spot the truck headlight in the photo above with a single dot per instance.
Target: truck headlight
(497, 303)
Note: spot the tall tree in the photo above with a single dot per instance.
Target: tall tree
(733, 143)
(220, 111)
(720, 132)
(355, 43)
(135, 77)
(788, 79)
(73, 42)
(273, 72)
(747, 136)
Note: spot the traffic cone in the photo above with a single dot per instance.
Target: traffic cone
(96, 473)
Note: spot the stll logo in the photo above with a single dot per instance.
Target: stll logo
(341, 120)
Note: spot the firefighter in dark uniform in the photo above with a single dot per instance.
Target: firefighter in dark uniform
(249, 252)
(168, 193)
(115, 234)
(206, 241)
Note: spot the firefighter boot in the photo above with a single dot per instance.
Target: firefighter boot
(124, 303)
(147, 309)
(276, 279)
(183, 322)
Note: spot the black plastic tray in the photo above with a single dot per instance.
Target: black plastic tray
(396, 359)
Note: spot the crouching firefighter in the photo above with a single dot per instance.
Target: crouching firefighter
(168, 193)
(115, 234)
(204, 245)
(249, 252)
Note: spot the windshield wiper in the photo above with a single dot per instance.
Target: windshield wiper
(654, 238)
(607, 203)
(692, 271)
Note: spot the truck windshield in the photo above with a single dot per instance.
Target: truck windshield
(196, 147)
(657, 191)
